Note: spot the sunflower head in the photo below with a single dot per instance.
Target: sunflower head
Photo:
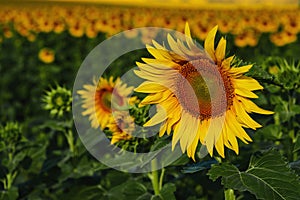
(204, 96)
(10, 133)
(121, 127)
(103, 97)
(285, 73)
(47, 55)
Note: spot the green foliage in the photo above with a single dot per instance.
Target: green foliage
(267, 177)
(198, 166)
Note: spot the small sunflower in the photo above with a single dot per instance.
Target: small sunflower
(102, 98)
(121, 127)
(202, 95)
(46, 55)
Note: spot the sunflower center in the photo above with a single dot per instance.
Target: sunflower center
(108, 99)
(203, 90)
(59, 101)
(103, 99)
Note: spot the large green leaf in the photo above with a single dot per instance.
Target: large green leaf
(192, 168)
(167, 192)
(131, 189)
(296, 166)
(268, 177)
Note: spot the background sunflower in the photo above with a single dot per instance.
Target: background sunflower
(104, 97)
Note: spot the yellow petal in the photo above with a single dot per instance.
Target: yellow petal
(155, 98)
(245, 93)
(192, 130)
(159, 117)
(243, 116)
(236, 128)
(252, 107)
(170, 102)
(170, 74)
(225, 137)
(162, 129)
(165, 54)
(173, 117)
(89, 87)
(240, 70)
(220, 146)
(186, 130)
(179, 129)
(90, 110)
(203, 130)
(209, 43)
(188, 37)
(157, 45)
(150, 87)
(174, 46)
(221, 49)
(161, 64)
(192, 147)
(164, 79)
(247, 84)
(158, 53)
(189, 54)
(156, 69)
(212, 135)
(231, 136)
(227, 63)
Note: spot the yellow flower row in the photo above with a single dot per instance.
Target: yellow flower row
(246, 25)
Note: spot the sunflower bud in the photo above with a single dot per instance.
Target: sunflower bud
(58, 101)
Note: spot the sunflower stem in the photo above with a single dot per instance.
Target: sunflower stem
(229, 194)
(154, 177)
(291, 102)
(70, 140)
(161, 178)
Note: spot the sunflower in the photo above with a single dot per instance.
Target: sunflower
(202, 95)
(102, 98)
(121, 127)
(46, 55)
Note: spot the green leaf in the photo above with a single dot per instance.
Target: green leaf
(271, 131)
(79, 192)
(160, 143)
(259, 73)
(295, 108)
(128, 190)
(198, 166)
(133, 189)
(268, 177)
(295, 166)
(155, 197)
(297, 143)
(183, 160)
(11, 194)
(167, 191)
(145, 196)
(284, 112)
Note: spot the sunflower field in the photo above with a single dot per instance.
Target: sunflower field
(101, 101)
